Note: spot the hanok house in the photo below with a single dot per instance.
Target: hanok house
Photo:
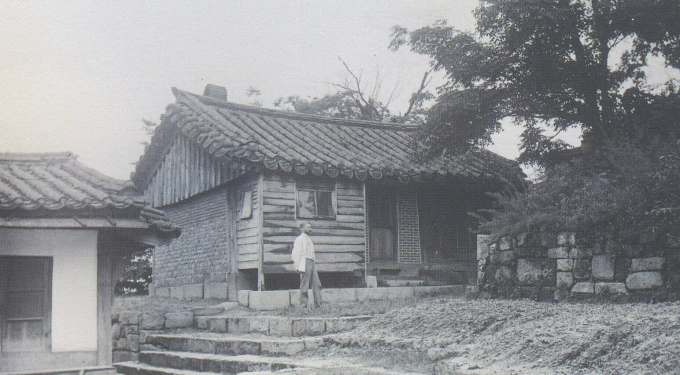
(238, 179)
(63, 230)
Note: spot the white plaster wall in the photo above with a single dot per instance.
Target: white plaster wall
(74, 280)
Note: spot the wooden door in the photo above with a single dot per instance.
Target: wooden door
(382, 221)
(25, 306)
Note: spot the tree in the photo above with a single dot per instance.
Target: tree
(548, 63)
(359, 101)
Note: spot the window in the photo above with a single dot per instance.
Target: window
(315, 199)
(25, 303)
(247, 205)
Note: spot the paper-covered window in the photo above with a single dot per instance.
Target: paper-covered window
(316, 199)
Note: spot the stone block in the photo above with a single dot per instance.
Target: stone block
(647, 264)
(201, 322)
(207, 310)
(309, 326)
(603, 267)
(243, 297)
(194, 291)
(621, 268)
(176, 292)
(216, 291)
(339, 295)
(217, 324)
(565, 280)
(132, 343)
(145, 334)
(269, 300)
(565, 264)
(371, 294)
(582, 269)
(295, 297)
(505, 243)
(128, 318)
(130, 329)
(179, 320)
(124, 356)
(279, 326)
(558, 252)
(238, 324)
(644, 280)
(259, 324)
(610, 288)
(371, 281)
(522, 239)
(504, 257)
(536, 271)
(339, 325)
(152, 320)
(583, 287)
(161, 292)
(502, 274)
(115, 331)
(288, 348)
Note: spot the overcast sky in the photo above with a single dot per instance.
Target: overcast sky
(81, 75)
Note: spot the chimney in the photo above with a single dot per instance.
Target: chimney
(214, 91)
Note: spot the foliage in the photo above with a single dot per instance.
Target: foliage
(138, 274)
(545, 63)
(621, 190)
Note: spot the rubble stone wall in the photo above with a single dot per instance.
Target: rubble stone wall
(556, 266)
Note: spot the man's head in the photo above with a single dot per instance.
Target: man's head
(306, 227)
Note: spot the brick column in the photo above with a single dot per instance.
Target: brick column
(408, 227)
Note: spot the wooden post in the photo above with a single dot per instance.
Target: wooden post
(104, 302)
(260, 225)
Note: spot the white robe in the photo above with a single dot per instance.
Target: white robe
(303, 249)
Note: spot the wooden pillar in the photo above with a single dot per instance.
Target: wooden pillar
(104, 302)
(260, 225)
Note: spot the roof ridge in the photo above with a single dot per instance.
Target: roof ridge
(297, 115)
(37, 156)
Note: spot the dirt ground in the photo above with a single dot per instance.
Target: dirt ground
(451, 335)
(459, 336)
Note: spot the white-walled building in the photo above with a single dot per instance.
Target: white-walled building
(64, 229)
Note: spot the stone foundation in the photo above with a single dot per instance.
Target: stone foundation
(548, 265)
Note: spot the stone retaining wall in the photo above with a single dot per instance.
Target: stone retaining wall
(555, 266)
(131, 330)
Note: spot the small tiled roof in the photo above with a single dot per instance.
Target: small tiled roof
(307, 143)
(56, 182)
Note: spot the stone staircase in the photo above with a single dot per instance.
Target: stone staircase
(244, 344)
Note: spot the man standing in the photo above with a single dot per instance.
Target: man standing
(303, 260)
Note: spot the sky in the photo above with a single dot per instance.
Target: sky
(80, 76)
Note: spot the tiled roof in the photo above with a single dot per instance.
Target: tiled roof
(307, 143)
(57, 181)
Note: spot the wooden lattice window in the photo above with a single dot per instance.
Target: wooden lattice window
(316, 199)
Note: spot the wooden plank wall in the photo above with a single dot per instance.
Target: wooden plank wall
(340, 244)
(186, 170)
(247, 230)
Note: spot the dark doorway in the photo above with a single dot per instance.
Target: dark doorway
(382, 220)
(25, 304)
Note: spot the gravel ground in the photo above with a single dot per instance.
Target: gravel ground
(450, 335)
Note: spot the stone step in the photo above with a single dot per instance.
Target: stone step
(280, 325)
(136, 368)
(400, 282)
(225, 364)
(216, 343)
